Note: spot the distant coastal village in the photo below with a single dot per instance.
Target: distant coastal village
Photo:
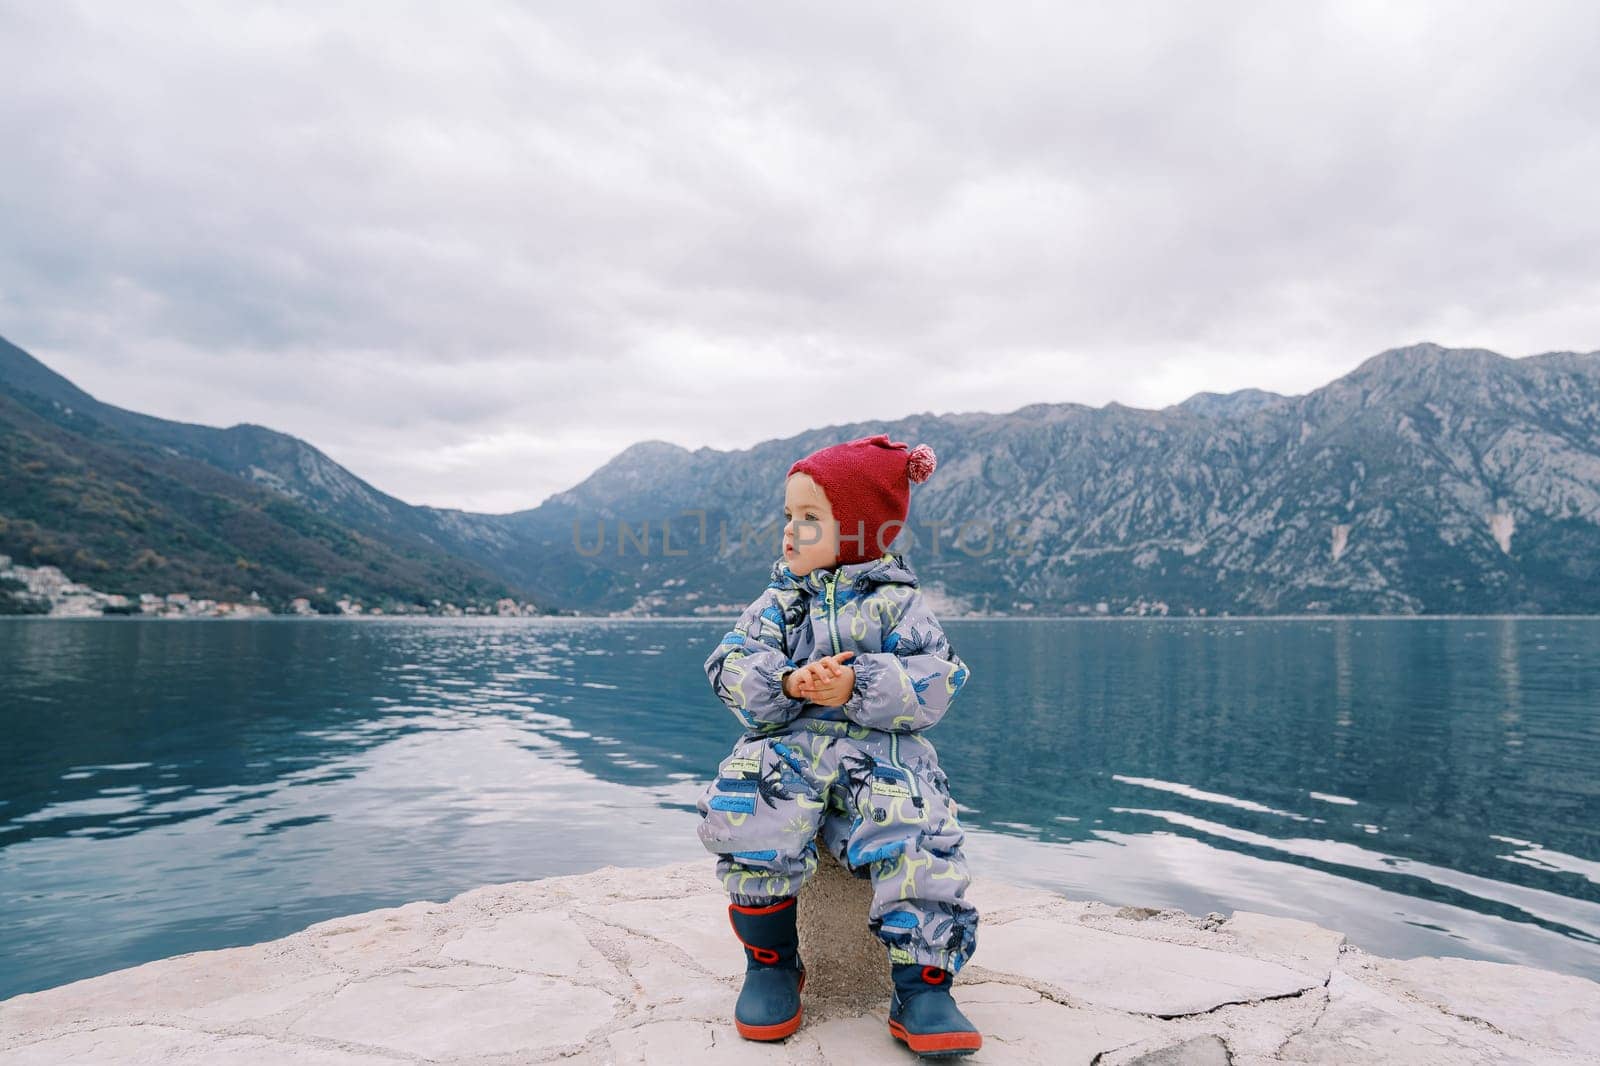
(45, 590)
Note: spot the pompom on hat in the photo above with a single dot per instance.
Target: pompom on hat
(868, 484)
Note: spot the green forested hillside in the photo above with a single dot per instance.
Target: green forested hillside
(129, 516)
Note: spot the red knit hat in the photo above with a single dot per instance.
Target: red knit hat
(867, 482)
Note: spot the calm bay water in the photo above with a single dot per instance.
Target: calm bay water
(1426, 786)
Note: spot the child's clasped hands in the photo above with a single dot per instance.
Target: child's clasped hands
(827, 680)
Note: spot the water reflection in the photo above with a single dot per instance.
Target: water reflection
(1510, 684)
(1427, 786)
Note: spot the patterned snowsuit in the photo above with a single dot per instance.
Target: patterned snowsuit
(862, 773)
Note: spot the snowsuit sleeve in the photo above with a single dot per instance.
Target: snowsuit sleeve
(910, 684)
(747, 669)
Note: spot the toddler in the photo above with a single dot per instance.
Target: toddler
(834, 672)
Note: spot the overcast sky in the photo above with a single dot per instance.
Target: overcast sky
(473, 250)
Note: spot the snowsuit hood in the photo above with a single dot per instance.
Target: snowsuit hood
(889, 568)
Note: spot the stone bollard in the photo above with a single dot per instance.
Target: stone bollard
(847, 968)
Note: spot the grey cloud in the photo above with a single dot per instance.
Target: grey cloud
(439, 243)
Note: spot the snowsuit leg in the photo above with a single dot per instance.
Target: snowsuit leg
(906, 835)
(883, 807)
(760, 816)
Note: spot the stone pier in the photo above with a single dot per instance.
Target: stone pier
(639, 966)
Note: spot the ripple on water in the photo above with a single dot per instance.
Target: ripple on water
(180, 788)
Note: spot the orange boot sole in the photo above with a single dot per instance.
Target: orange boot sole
(937, 1043)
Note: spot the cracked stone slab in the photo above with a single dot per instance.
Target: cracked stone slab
(639, 966)
(661, 982)
(860, 1041)
(697, 926)
(215, 986)
(277, 998)
(672, 1043)
(1366, 1025)
(545, 942)
(159, 1045)
(377, 940)
(1550, 1010)
(438, 1013)
(1021, 1025)
(1133, 974)
(1207, 1050)
(1297, 944)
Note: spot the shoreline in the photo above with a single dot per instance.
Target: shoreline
(472, 619)
(636, 965)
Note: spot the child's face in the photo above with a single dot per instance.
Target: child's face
(810, 534)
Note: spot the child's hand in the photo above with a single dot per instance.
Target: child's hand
(826, 681)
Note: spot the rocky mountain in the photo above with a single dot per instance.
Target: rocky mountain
(1427, 480)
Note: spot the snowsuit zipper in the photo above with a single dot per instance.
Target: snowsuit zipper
(894, 739)
(911, 778)
(833, 618)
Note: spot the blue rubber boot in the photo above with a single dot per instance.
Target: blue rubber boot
(769, 1002)
(923, 1015)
